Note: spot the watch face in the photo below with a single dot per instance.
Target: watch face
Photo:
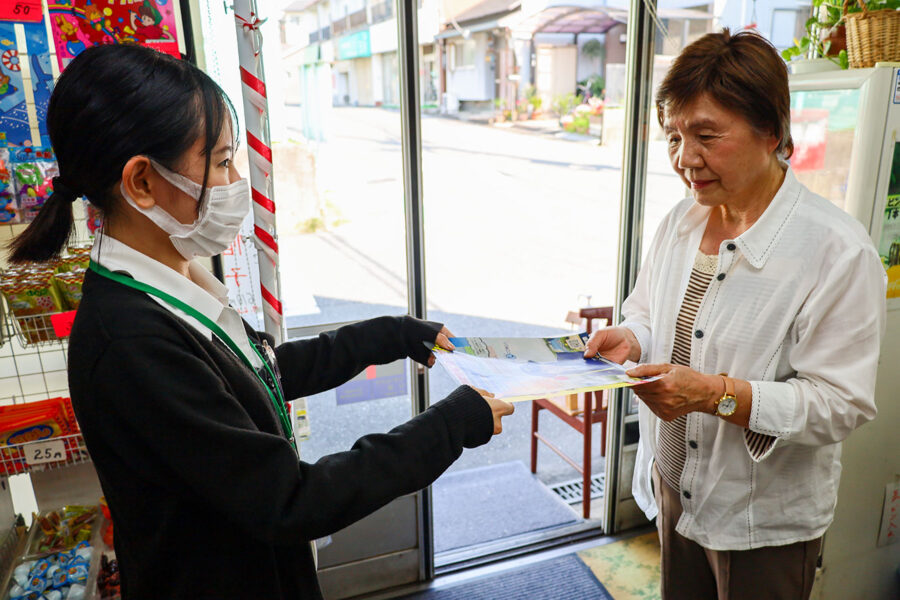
(727, 406)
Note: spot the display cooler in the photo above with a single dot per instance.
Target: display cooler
(846, 130)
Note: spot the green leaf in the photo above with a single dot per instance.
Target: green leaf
(845, 61)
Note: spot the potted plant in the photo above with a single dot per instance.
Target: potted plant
(820, 48)
(534, 102)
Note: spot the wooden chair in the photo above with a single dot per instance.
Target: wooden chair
(579, 411)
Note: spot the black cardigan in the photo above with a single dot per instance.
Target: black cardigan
(207, 496)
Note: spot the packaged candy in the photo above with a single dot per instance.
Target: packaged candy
(39, 568)
(60, 578)
(31, 293)
(53, 595)
(77, 573)
(76, 592)
(69, 287)
(83, 249)
(33, 182)
(20, 574)
(37, 584)
(17, 592)
(8, 210)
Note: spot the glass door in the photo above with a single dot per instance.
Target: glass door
(342, 239)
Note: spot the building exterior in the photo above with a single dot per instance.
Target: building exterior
(478, 54)
(344, 53)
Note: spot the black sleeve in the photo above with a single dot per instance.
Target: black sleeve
(324, 362)
(179, 412)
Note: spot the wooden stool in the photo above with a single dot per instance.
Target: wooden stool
(579, 411)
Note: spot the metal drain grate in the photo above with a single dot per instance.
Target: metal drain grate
(571, 492)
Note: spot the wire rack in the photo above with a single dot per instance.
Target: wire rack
(17, 458)
(31, 371)
(34, 330)
(33, 366)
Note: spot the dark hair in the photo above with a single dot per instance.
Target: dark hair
(146, 11)
(114, 102)
(742, 72)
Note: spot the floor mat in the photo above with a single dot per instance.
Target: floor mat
(563, 578)
(491, 503)
(628, 568)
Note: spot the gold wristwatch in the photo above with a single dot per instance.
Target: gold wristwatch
(727, 404)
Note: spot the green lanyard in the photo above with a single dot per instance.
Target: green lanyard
(275, 396)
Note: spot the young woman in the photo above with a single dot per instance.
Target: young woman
(180, 402)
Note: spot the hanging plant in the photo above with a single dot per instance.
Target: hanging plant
(593, 49)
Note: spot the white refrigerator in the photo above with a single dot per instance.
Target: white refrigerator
(846, 131)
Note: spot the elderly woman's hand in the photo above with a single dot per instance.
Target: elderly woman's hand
(617, 344)
(680, 391)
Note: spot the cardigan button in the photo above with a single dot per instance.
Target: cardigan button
(698, 334)
(731, 247)
(692, 444)
(720, 276)
(687, 494)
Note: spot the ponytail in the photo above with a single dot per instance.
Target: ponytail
(47, 235)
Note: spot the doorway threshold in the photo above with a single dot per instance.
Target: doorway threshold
(505, 549)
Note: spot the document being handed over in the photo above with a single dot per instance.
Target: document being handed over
(529, 368)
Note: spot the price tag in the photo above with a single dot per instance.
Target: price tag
(21, 11)
(62, 323)
(38, 453)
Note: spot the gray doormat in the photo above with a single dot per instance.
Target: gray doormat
(563, 578)
(492, 503)
(571, 493)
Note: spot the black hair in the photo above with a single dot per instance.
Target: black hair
(114, 102)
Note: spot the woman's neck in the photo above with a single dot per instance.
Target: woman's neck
(728, 221)
(148, 239)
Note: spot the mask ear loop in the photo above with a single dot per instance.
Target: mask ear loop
(185, 184)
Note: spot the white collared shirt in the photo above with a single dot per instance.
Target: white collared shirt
(203, 291)
(797, 309)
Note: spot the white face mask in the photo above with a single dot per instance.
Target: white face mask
(219, 223)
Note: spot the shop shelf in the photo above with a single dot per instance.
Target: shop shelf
(14, 458)
(35, 330)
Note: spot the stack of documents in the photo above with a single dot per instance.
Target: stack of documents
(529, 368)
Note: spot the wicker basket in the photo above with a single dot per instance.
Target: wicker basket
(872, 36)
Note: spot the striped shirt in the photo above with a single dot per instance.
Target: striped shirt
(671, 452)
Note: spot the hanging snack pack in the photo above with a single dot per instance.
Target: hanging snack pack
(8, 209)
(33, 171)
(34, 291)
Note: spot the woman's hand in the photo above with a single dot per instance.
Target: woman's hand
(499, 408)
(442, 341)
(680, 391)
(617, 344)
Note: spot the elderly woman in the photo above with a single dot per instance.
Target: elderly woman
(762, 305)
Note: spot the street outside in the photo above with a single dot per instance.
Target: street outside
(520, 227)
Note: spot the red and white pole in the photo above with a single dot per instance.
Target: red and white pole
(256, 118)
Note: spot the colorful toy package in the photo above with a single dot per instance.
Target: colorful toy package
(31, 422)
(35, 421)
(33, 171)
(79, 24)
(24, 125)
(8, 210)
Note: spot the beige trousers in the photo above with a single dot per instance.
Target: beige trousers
(691, 572)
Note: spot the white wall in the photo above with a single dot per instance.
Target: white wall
(588, 66)
(555, 71)
(471, 82)
(383, 36)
